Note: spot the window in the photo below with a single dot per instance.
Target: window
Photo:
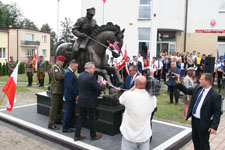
(44, 52)
(144, 40)
(29, 52)
(44, 39)
(144, 9)
(3, 53)
(222, 6)
(29, 37)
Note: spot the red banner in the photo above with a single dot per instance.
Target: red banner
(209, 31)
(122, 63)
(104, 1)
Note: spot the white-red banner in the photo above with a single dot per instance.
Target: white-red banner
(35, 59)
(10, 88)
(122, 63)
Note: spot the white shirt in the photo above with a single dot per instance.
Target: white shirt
(158, 64)
(198, 110)
(139, 105)
(70, 69)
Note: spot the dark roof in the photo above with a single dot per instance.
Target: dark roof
(8, 28)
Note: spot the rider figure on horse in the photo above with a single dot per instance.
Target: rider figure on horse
(83, 28)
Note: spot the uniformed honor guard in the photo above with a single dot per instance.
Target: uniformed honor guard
(29, 70)
(50, 64)
(11, 65)
(41, 71)
(83, 28)
(57, 91)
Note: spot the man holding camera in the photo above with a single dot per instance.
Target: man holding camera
(172, 75)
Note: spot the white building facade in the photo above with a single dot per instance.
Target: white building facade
(159, 25)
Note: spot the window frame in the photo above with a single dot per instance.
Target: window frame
(144, 5)
(44, 39)
(140, 40)
(222, 10)
(2, 54)
(32, 35)
(45, 52)
(32, 52)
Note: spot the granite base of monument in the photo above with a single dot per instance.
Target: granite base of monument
(108, 117)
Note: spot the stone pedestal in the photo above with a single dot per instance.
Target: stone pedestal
(108, 117)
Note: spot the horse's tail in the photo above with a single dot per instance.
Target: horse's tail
(56, 48)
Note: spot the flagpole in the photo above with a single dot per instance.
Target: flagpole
(103, 12)
(58, 22)
(37, 68)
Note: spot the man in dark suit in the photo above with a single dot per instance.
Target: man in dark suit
(89, 89)
(126, 68)
(129, 81)
(137, 63)
(205, 109)
(71, 91)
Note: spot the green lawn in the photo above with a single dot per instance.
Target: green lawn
(168, 111)
(23, 78)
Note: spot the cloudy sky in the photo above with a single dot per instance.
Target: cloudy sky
(45, 11)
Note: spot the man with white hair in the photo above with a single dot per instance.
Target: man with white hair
(135, 127)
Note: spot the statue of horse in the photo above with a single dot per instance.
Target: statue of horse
(96, 50)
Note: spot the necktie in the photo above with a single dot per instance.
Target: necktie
(197, 102)
(131, 81)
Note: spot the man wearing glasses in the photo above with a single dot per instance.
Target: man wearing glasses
(129, 81)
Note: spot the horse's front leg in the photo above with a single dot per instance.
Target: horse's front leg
(115, 72)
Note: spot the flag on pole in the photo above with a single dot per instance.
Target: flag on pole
(122, 63)
(147, 61)
(104, 1)
(35, 59)
(10, 88)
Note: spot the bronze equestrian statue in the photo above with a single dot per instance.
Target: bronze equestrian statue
(95, 46)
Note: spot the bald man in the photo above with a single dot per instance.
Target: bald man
(135, 127)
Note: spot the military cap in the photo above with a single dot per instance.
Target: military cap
(61, 58)
(40, 56)
(91, 10)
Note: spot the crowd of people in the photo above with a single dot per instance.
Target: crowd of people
(136, 126)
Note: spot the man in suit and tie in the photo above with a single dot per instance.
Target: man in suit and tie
(138, 64)
(129, 81)
(89, 89)
(205, 109)
(71, 91)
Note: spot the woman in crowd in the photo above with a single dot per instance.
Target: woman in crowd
(188, 82)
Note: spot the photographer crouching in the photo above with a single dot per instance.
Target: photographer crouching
(172, 76)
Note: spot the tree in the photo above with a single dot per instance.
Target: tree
(27, 23)
(66, 34)
(47, 28)
(10, 14)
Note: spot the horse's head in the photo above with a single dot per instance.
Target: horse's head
(111, 36)
(117, 43)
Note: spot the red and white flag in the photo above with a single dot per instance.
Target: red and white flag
(122, 63)
(35, 59)
(104, 1)
(10, 88)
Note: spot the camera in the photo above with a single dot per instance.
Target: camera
(172, 75)
(153, 86)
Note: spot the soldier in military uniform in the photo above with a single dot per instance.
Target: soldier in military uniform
(57, 91)
(11, 65)
(41, 71)
(82, 28)
(29, 70)
(50, 64)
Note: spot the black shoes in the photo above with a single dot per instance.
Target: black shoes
(68, 130)
(53, 127)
